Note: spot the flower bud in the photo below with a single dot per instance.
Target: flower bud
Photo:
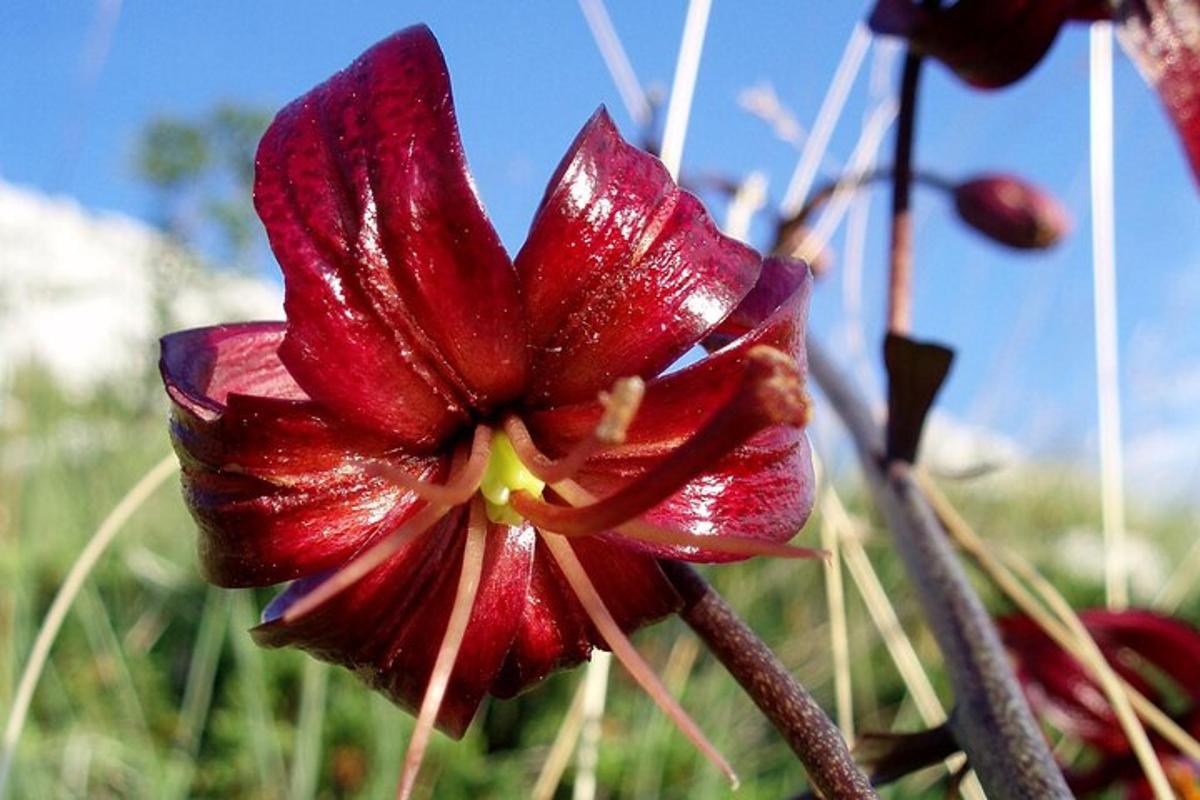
(1011, 211)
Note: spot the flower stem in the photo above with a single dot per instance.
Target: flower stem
(899, 297)
(789, 706)
(853, 182)
(991, 720)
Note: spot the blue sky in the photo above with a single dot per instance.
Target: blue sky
(526, 75)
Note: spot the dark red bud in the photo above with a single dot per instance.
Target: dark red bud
(1011, 211)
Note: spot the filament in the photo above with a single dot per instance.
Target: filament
(452, 640)
(624, 650)
(458, 488)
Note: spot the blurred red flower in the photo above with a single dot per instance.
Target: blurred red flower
(987, 43)
(1156, 654)
(1163, 36)
(427, 448)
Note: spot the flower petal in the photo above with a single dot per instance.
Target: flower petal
(622, 271)
(1131, 640)
(987, 43)
(387, 626)
(554, 631)
(1168, 644)
(1164, 40)
(403, 311)
(763, 489)
(271, 478)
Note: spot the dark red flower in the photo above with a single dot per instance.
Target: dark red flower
(428, 447)
(987, 43)
(1011, 211)
(1156, 654)
(1163, 36)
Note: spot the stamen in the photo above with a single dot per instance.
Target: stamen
(643, 531)
(771, 393)
(465, 477)
(458, 488)
(364, 562)
(452, 639)
(623, 649)
(620, 407)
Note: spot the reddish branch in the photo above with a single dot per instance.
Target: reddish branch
(792, 710)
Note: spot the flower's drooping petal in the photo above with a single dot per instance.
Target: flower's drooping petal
(987, 43)
(403, 307)
(622, 271)
(272, 480)
(1164, 39)
(554, 632)
(763, 489)
(781, 280)
(387, 626)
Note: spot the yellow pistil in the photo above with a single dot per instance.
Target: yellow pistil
(504, 475)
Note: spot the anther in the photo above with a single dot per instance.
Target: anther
(620, 407)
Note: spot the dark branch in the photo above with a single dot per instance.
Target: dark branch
(992, 721)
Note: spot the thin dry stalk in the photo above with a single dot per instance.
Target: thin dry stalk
(1104, 281)
(683, 87)
(155, 477)
(1007, 582)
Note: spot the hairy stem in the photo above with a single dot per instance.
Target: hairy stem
(787, 704)
(991, 720)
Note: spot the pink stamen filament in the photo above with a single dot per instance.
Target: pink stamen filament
(643, 531)
(366, 561)
(620, 407)
(624, 650)
(771, 393)
(452, 640)
(464, 480)
(456, 490)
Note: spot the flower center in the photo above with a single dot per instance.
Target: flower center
(505, 474)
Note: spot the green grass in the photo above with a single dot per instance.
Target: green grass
(154, 689)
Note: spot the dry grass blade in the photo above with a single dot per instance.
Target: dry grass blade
(839, 638)
(827, 117)
(1088, 652)
(683, 87)
(560, 751)
(887, 623)
(595, 695)
(1067, 636)
(306, 757)
(1104, 277)
(99, 542)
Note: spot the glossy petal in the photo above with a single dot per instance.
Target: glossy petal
(554, 632)
(1163, 36)
(622, 271)
(272, 480)
(387, 627)
(402, 305)
(764, 489)
(987, 43)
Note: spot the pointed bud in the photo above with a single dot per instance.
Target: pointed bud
(1011, 211)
